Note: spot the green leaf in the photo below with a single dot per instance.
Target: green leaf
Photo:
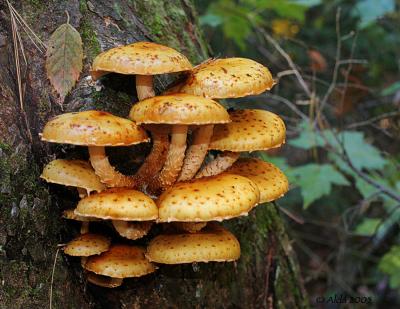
(64, 59)
(390, 265)
(370, 10)
(392, 89)
(316, 181)
(210, 20)
(368, 227)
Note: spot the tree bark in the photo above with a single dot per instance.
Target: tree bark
(30, 215)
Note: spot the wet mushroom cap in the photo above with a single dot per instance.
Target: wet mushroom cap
(227, 78)
(121, 261)
(75, 173)
(250, 130)
(213, 198)
(93, 128)
(179, 109)
(87, 245)
(118, 204)
(144, 58)
(270, 180)
(214, 244)
(70, 215)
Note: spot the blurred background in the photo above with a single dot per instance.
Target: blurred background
(337, 64)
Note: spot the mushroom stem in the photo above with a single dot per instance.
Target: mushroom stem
(191, 227)
(82, 192)
(155, 160)
(221, 163)
(174, 161)
(132, 230)
(84, 227)
(196, 152)
(108, 174)
(144, 87)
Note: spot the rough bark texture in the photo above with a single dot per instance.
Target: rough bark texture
(30, 221)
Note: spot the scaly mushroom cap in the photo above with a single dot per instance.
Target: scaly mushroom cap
(93, 128)
(179, 108)
(212, 244)
(270, 180)
(70, 215)
(144, 58)
(227, 78)
(118, 204)
(87, 245)
(216, 198)
(121, 261)
(75, 173)
(250, 130)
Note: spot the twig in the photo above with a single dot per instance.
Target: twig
(52, 278)
(291, 105)
(373, 119)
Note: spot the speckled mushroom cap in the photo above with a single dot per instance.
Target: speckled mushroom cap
(118, 204)
(121, 261)
(70, 214)
(144, 58)
(270, 180)
(179, 108)
(87, 245)
(250, 130)
(227, 78)
(212, 244)
(93, 128)
(75, 173)
(213, 198)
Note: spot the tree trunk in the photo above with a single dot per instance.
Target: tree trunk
(30, 223)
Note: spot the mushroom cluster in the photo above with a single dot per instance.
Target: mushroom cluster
(180, 186)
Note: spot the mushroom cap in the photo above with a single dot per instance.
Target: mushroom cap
(131, 229)
(144, 58)
(179, 108)
(212, 244)
(270, 180)
(103, 281)
(70, 215)
(250, 130)
(118, 204)
(121, 261)
(227, 78)
(213, 198)
(87, 245)
(75, 173)
(93, 128)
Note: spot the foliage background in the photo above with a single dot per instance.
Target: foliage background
(338, 69)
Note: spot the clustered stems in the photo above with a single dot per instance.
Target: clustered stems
(220, 164)
(174, 161)
(108, 174)
(144, 87)
(196, 152)
(155, 160)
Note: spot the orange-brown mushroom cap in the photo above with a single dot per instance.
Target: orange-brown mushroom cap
(270, 180)
(179, 108)
(87, 245)
(250, 130)
(75, 173)
(216, 198)
(227, 78)
(93, 128)
(143, 58)
(212, 244)
(121, 261)
(118, 204)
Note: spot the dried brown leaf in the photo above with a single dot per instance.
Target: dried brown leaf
(64, 59)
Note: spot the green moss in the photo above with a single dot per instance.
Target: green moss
(91, 44)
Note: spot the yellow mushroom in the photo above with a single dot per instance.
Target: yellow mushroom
(87, 245)
(103, 281)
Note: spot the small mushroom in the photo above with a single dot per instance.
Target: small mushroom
(103, 281)
(250, 130)
(121, 204)
(87, 244)
(69, 214)
(179, 111)
(214, 198)
(121, 261)
(96, 129)
(212, 244)
(269, 179)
